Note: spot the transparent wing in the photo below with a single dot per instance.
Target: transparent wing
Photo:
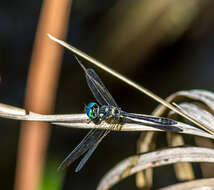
(87, 143)
(154, 119)
(88, 146)
(91, 150)
(100, 92)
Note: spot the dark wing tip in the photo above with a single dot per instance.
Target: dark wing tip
(65, 163)
(61, 167)
(77, 169)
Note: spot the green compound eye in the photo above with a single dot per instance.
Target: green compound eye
(90, 114)
(90, 110)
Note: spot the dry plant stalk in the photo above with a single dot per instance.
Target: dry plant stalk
(81, 121)
(146, 142)
(40, 94)
(183, 171)
(155, 159)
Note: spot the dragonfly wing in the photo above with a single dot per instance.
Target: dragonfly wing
(100, 98)
(98, 89)
(154, 119)
(100, 92)
(87, 143)
(113, 125)
(89, 153)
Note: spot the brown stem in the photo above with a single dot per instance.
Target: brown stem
(40, 94)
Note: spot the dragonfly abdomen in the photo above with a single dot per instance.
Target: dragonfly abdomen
(159, 120)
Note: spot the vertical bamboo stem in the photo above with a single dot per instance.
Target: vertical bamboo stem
(40, 93)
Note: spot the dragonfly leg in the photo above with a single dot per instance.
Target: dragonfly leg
(88, 121)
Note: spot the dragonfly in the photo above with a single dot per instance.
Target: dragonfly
(105, 110)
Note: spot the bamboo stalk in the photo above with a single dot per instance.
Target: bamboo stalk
(40, 94)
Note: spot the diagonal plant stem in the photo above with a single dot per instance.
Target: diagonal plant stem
(130, 82)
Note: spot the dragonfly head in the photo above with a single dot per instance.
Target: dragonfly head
(92, 110)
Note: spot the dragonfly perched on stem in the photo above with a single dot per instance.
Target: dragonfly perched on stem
(106, 110)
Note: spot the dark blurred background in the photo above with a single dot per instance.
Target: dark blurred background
(166, 46)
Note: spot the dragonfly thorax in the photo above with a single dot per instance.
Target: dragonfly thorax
(99, 113)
